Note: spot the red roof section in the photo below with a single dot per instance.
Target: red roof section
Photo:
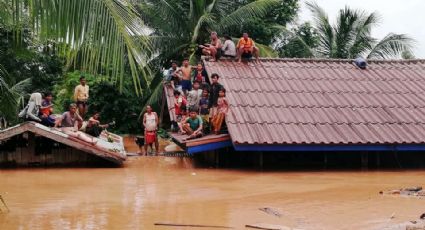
(311, 101)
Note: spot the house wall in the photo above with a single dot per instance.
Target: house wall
(28, 150)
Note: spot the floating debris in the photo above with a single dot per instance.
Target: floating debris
(4, 204)
(410, 191)
(191, 225)
(271, 211)
(267, 226)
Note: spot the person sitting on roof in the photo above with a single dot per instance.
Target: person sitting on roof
(183, 117)
(222, 108)
(94, 128)
(201, 76)
(69, 125)
(32, 110)
(192, 126)
(46, 110)
(185, 72)
(229, 48)
(194, 96)
(214, 48)
(246, 48)
(180, 101)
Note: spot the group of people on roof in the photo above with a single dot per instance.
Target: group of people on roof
(216, 49)
(40, 109)
(200, 105)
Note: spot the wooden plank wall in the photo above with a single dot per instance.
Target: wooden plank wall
(28, 149)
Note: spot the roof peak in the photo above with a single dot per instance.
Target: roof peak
(306, 60)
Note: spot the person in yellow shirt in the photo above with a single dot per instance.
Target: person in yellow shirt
(246, 48)
(81, 96)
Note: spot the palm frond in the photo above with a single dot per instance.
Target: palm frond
(363, 40)
(257, 8)
(391, 46)
(95, 35)
(324, 29)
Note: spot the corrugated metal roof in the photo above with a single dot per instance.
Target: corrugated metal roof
(308, 101)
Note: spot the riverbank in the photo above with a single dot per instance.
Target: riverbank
(171, 189)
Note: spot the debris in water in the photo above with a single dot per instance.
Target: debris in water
(193, 174)
(410, 191)
(267, 226)
(4, 204)
(271, 211)
(422, 216)
(392, 215)
(191, 225)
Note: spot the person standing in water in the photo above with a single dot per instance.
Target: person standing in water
(81, 96)
(150, 122)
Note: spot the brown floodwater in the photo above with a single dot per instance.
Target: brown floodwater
(170, 189)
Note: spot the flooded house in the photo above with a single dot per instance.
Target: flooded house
(364, 111)
(33, 144)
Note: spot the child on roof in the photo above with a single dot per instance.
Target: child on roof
(203, 109)
(222, 108)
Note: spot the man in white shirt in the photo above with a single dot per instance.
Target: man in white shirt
(229, 48)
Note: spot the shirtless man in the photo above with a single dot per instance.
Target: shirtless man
(185, 72)
(214, 48)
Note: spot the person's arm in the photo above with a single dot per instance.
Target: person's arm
(225, 45)
(144, 119)
(88, 90)
(183, 123)
(157, 121)
(76, 93)
(200, 126)
(58, 122)
(31, 107)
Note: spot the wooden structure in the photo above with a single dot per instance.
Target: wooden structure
(32, 144)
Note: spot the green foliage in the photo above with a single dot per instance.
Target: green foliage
(121, 107)
(351, 36)
(299, 42)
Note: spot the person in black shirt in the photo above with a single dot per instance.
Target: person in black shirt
(214, 90)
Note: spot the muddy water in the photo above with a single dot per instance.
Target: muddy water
(161, 189)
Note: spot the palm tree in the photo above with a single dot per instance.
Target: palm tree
(351, 36)
(97, 36)
(177, 26)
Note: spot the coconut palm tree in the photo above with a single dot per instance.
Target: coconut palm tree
(177, 26)
(351, 36)
(97, 36)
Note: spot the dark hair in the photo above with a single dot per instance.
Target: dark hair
(174, 62)
(183, 108)
(82, 77)
(223, 90)
(185, 59)
(176, 92)
(215, 75)
(227, 37)
(47, 94)
(193, 109)
(196, 82)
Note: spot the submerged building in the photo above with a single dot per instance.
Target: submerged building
(310, 105)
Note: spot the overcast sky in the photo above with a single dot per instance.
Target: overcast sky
(398, 16)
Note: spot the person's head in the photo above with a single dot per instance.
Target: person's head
(174, 65)
(148, 108)
(48, 96)
(82, 80)
(214, 35)
(72, 108)
(222, 92)
(227, 37)
(96, 115)
(193, 113)
(245, 35)
(205, 93)
(176, 93)
(185, 62)
(199, 67)
(196, 85)
(214, 78)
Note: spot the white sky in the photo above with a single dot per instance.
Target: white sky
(397, 16)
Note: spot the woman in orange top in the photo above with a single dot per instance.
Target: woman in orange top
(246, 48)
